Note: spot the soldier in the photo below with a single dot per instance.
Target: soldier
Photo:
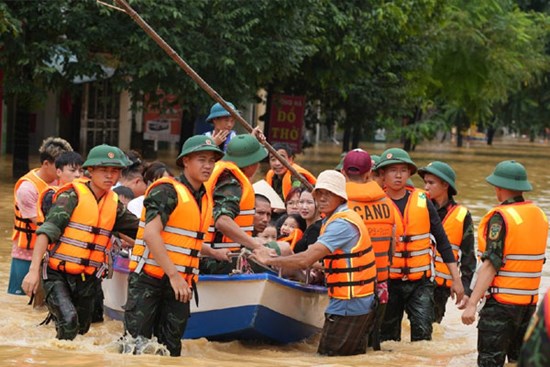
(439, 179)
(512, 239)
(411, 285)
(368, 199)
(164, 261)
(76, 238)
(233, 214)
(535, 350)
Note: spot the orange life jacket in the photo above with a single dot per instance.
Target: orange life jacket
(413, 258)
(375, 208)
(287, 178)
(518, 280)
(182, 236)
(293, 238)
(24, 230)
(453, 223)
(245, 218)
(82, 247)
(350, 274)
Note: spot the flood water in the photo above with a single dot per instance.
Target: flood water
(24, 343)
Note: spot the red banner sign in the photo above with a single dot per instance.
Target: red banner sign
(286, 121)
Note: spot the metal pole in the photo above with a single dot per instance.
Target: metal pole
(196, 77)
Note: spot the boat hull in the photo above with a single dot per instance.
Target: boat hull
(258, 307)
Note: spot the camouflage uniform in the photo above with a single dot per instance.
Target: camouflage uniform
(227, 198)
(467, 264)
(501, 327)
(70, 296)
(146, 294)
(535, 351)
(277, 184)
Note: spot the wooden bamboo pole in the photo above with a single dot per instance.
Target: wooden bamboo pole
(211, 92)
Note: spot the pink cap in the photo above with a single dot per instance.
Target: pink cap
(357, 161)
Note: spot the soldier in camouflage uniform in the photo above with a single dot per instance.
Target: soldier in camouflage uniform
(439, 179)
(535, 351)
(70, 296)
(164, 269)
(512, 240)
(242, 157)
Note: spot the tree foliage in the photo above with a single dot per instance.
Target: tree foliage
(372, 62)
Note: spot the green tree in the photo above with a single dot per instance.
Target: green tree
(487, 51)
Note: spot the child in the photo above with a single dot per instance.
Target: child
(292, 229)
(75, 238)
(269, 233)
(26, 193)
(223, 125)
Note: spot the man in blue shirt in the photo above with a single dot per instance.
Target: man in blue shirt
(350, 269)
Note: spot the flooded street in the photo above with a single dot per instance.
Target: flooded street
(24, 343)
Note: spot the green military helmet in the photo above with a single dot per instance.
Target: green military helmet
(217, 110)
(198, 143)
(244, 150)
(106, 156)
(375, 160)
(443, 171)
(396, 156)
(340, 164)
(510, 175)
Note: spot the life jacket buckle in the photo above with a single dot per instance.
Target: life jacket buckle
(406, 238)
(406, 270)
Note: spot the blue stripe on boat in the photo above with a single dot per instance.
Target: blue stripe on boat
(255, 322)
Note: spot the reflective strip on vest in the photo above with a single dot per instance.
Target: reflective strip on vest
(519, 292)
(90, 229)
(525, 257)
(514, 274)
(443, 275)
(409, 254)
(212, 229)
(413, 238)
(410, 270)
(219, 245)
(184, 232)
(76, 260)
(82, 244)
(180, 268)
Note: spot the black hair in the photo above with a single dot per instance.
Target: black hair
(301, 221)
(124, 191)
(286, 147)
(262, 197)
(135, 168)
(155, 170)
(72, 159)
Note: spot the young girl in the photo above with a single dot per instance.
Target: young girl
(292, 229)
(269, 233)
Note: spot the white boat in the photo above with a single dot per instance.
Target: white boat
(261, 307)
